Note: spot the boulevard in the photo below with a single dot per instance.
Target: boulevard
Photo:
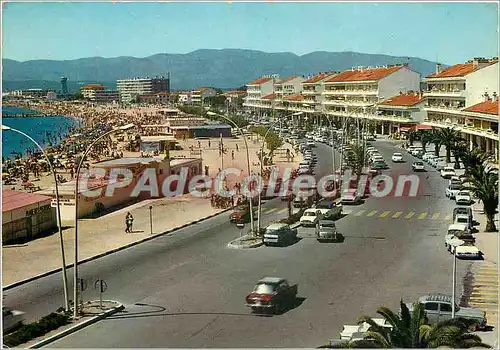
(191, 288)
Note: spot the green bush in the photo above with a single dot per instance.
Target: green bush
(32, 330)
(293, 218)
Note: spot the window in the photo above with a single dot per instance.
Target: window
(431, 306)
(263, 288)
(445, 307)
(283, 285)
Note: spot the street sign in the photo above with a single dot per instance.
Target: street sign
(102, 286)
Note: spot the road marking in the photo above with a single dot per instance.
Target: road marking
(422, 216)
(447, 217)
(373, 212)
(435, 216)
(359, 213)
(397, 215)
(384, 214)
(409, 215)
(271, 210)
(281, 211)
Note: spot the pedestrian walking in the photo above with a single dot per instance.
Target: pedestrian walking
(237, 148)
(129, 220)
(208, 143)
(232, 154)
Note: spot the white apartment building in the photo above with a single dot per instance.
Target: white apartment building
(198, 95)
(129, 89)
(482, 125)
(355, 93)
(256, 90)
(452, 91)
(106, 96)
(403, 112)
(312, 90)
(284, 88)
(184, 97)
(88, 91)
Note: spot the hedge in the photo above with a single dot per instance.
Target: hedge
(36, 329)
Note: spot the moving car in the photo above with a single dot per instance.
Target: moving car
(447, 172)
(241, 213)
(438, 308)
(11, 319)
(272, 293)
(452, 190)
(418, 166)
(279, 234)
(329, 209)
(310, 217)
(463, 197)
(326, 230)
(350, 196)
(397, 157)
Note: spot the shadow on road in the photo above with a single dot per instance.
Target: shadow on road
(124, 315)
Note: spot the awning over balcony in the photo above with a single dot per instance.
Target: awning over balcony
(405, 128)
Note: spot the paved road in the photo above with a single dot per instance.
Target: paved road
(195, 286)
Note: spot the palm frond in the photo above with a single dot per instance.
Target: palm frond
(378, 339)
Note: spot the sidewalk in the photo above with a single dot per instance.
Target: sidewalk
(99, 235)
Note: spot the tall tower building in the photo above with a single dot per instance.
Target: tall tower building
(64, 86)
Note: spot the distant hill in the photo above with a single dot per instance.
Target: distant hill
(225, 68)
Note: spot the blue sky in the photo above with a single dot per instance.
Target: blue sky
(445, 32)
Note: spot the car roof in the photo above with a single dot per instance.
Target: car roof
(271, 280)
(458, 227)
(277, 225)
(326, 222)
(436, 297)
(449, 168)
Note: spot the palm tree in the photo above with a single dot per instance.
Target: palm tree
(426, 137)
(473, 159)
(411, 330)
(484, 185)
(356, 159)
(449, 137)
(435, 138)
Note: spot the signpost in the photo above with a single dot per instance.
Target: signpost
(102, 287)
(82, 285)
(454, 242)
(151, 218)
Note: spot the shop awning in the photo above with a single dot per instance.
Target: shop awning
(423, 127)
(405, 128)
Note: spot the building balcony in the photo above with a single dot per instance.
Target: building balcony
(443, 109)
(310, 92)
(444, 93)
(351, 92)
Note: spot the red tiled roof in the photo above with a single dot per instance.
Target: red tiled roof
(364, 74)
(93, 87)
(236, 92)
(458, 70)
(269, 97)
(14, 199)
(317, 77)
(286, 79)
(296, 97)
(259, 81)
(487, 107)
(403, 100)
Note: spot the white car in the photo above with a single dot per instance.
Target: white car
(463, 197)
(452, 190)
(11, 319)
(455, 230)
(418, 166)
(466, 251)
(447, 172)
(310, 217)
(429, 158)
(377, 158)
(350, 196)
(427, 155)
(397, 158)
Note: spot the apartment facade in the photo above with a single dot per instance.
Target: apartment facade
(455, 92)
(198, 95)
(284, 88)
(257, 90)
(130, 89)
(89, 90)
(312, 90)
(403, 112)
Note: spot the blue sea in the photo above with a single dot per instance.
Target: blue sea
(45, 130)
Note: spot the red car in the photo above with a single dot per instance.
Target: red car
(273, 294)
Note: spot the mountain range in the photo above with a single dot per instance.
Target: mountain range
(226, 68)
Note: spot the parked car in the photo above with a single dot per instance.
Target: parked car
(418, 166)
(350, 196)
(464, 211)
(310, 217)
(11, 319)
(465, 220)
(452, 190)
(438, 308)
(326, 230)
(440, 164)
(397, 157)
(379, 165)
(272, 293)
(427, 155)
(459, 231)
(329, 209)
(279, 234)
(463, 197)
(467, 251)
(447, 172)
(302, 201)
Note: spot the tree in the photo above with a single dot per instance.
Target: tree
(356, 159)
(484, 185)
(449, 138)
(426, 137)
(273, 142)
(473, 159)
(411, 330)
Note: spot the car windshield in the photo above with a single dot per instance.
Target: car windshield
(463, 193)
(324, 205)
(327, 224)
(309, 213)
(264, 288)
(462, 220)
(455, 186)
(397, 154)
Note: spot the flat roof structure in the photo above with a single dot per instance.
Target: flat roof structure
(15, 200)
(158, 138)
(128, 161)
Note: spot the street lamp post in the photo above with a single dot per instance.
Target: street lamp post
(58, 213)
(259, 214)
(248, 161)
(454, 243)
(77, 182)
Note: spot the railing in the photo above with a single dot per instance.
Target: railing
(460, 93)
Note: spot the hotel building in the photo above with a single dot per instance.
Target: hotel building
(88, 91)
(260, 94)
(130, 89)
(199, 95)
